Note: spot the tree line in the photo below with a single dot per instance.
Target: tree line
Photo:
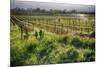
(39, 11)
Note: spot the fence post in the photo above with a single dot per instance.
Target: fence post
(21, 32)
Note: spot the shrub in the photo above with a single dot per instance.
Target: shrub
(77, 43)
(89, 56)
(70, 56)
(32, 60)
(64, 40)
(92, 45)
(30, 48)
(89, 45)
(43, 53)
(17, 56)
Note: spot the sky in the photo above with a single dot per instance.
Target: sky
(52, 5)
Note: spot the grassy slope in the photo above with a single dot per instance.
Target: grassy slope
(50, 49)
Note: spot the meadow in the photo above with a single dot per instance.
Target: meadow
(52, 39)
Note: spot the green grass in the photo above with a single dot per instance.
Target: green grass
(51, 49)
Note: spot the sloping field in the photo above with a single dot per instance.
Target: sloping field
(51, 40)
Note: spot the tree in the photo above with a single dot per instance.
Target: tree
(64, 11)
(73, 11)
(37, 9)
(43, 10)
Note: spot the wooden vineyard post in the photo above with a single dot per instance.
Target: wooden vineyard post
(78, 28)
(33, 25)
(88, 28)
(21, 32)
(26, 34)
(81, 29)
(39, 24)
(83, 26)
(80, 25)
(77, 25)
(47, 28)
(55, 27)
(58, 30)
(73, 26)
(93, 26)
(62, 29)
(68, 25)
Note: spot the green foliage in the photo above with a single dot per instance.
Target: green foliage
(76, 42)
(90, 44)
(70, 56)
(48, 48)
(31, 48)
(89, 56)
(49, 51)
(63, 40)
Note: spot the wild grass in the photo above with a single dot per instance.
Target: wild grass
(51, 49)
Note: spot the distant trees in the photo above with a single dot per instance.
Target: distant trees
(39, 11)
(73, 11)
(64, 11)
